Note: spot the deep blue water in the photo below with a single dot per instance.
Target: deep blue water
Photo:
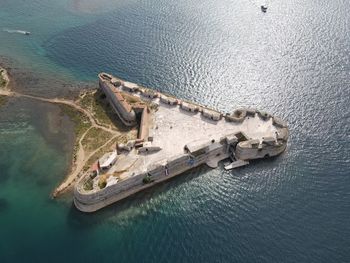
(293, 61)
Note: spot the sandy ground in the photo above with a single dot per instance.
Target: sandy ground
(81, 157)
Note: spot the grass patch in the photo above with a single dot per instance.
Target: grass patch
(109, 147)
(95, 138)
(147, 179)
(81, 124)
(80, 120)
(88, 185)
(102, 181)
(98, 154)
(153, 106)
(97, 104)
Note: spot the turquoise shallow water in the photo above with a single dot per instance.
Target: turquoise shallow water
(292, 61)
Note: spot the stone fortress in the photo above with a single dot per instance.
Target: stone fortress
(174, 136)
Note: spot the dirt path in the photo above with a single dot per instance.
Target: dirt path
(77, 167)
(71, 103)
(81, 158)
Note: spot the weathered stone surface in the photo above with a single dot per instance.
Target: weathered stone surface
(182, 137)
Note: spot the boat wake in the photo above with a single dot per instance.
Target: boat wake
(16, 31)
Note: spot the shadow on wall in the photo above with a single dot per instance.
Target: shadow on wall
(80, 221)
(100, 99)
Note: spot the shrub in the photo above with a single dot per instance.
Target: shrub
(102, 184)
(147, 179)
(88, 185)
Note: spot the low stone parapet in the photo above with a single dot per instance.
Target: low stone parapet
(282, 135)
(237, 116)
(130, 87)
(264, 115)
(212, 115)
(151, 94)
(278, 122)
(168, 100)
(189, 107)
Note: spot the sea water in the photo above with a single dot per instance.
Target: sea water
(293, 61)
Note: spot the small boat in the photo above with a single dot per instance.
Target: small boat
(17, 31)
(263, 8)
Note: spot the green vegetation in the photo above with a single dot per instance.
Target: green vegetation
(88, 185)
(80, 120)
(97, 104)
(132, 100)
(107, 148)
(102, 182)
(147, 179)
(153, 106)
(95, 138)
(81, 124)
(98, 154)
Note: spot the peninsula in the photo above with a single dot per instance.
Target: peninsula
(173, 136)
(91, 117)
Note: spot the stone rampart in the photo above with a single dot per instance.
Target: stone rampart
(209, 152)
(116, 100)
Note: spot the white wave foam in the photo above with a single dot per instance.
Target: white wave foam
(16, 31)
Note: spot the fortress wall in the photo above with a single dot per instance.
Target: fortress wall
(279, 122)
(126, 112)
(213, 115)
(130, 87)
(148, 93)
(176, 165)
(123, 110)
(92, 201)
(93, 197)
(103, 200)
(244, 153)
(250, 112)
(144, 125)
(264, 115)
(283, 135)
(168, 100)
(238, 115)
(189, 107)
